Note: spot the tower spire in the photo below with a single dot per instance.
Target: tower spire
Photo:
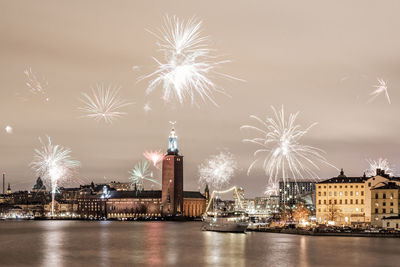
(172, 140)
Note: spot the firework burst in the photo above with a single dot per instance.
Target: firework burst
(9, 129)
(272, 189)
(35, 85)
(141, 173)
(54, 164)
(188, 65)
(217, 170)
(284, 157)
(147, 108)
(382, 164)
(103, 104)
(380, 89)
(154, 156)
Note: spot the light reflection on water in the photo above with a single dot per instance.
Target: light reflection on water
(53, 240)
(81, 243)
(224, 248)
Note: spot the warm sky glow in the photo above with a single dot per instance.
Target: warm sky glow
(320, 58)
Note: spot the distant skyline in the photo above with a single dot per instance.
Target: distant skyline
(322, 59)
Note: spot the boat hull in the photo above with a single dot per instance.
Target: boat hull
(228, 228)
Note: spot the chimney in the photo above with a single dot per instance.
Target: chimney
(378, 171)
(4, 183)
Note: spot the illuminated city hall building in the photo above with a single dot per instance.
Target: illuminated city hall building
(114, 200)
(170, 201)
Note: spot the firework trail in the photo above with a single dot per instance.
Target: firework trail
(217, 170)
(9, 129)
(382, 164)
(103, 104)
(141, 173)
(380, 89)
(36, 86)
(154, 156)
(285, 158)
(147, 108)
(188, 67)
(54, 164)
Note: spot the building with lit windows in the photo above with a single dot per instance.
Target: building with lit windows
(385, 204)
(346, 200)
(290, 193)
(262, 207)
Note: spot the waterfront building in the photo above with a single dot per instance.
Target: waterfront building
(261, 207)
(91, 207)
(391, 223)
(292, 192)
(346, 200)
(170, 201)
(118, 186)
(148, 204)
(341, 200)
(272, 204)
(385, 204)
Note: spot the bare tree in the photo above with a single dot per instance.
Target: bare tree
(333, 212)
(301, 213)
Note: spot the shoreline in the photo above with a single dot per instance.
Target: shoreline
(312, 233)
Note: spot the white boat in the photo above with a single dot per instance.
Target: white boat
(233, 222)
(224, 221)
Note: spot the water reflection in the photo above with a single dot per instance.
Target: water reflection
(104, 244)
(224, 249)
(78, 243)
(153, 236)
(53, 240)
(303, 260)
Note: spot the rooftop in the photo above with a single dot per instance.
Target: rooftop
(338, 180)
(193, 194)
(389, 185)
(136, 194)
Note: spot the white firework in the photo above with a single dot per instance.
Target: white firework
(382, 164)
(272, 189)
(54, 164)
(188, 68)
(9, 129)
(282, 155)
(36, 86)
(147, 108)
(141, 173)
(217, 170)
(104, 104)
(380, 89)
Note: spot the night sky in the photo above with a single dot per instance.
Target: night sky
(319, 58)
